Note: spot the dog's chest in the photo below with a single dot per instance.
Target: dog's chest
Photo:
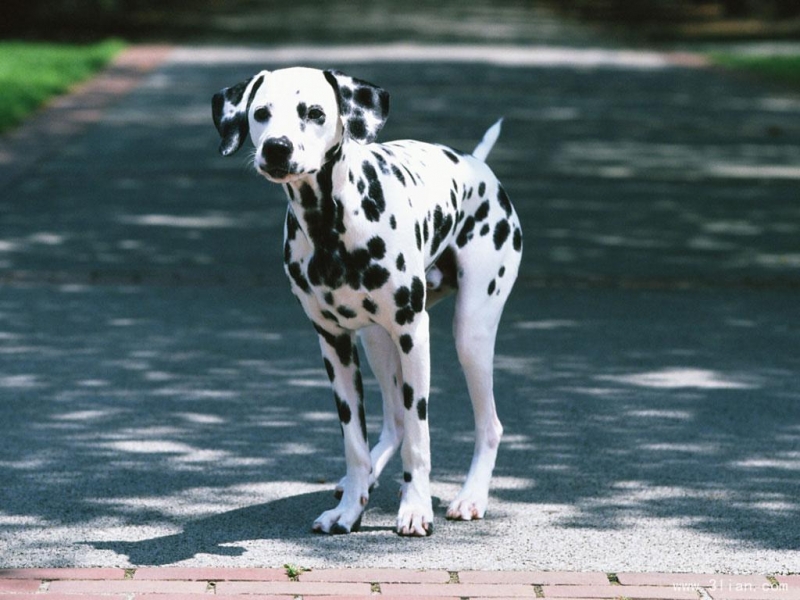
(340, 282)
(339, 264)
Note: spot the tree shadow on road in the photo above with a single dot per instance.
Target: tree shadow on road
(173, 401)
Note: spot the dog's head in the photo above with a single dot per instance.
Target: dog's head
(298, 118)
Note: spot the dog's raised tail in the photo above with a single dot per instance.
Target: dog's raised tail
(487, 143)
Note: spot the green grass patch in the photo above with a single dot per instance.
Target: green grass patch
(31, 73)
(781, 69)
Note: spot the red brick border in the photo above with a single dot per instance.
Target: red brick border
(178, 583)
(210, 574)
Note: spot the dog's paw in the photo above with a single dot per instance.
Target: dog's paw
(467, 509)
(415, 522)
(415, 518)
(337, 522)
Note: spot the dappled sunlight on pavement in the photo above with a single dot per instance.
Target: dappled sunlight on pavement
(163, 402)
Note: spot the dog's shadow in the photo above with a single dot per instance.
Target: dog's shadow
(287, 519)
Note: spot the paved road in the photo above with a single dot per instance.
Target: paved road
(162, 399)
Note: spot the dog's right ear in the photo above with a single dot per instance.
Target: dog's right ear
(229, 107)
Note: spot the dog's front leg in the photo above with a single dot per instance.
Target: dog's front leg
(340, 356)
(416, 509)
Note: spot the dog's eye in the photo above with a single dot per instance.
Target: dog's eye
(316, 114)
(262, 114)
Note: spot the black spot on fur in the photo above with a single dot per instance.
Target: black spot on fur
(454, 200)
(326, 267)
(370, 210)
(326, 314)
(374, 202)
(343, 409)
(400, 263)
(451, 156)
(358, 383)
(501, 231)
(329, 338)
(302, 110)
(407, 477)
(346, 312)
(502, 199)
(425, 231)
(377, 248)
(492, 286)
(375, 276)
(365, 97)
(362, 416)
(344, 349)
(357, 128)
(307, 196)
(441, 228)
(517, 239)
(417, 294)
(485, 229)
(501, 272)
(329, 369)
(296, 273)
(408, 396)
(465, 235)
(355, 263)
(402, 296)
(482, 212)
(418, 235)
(406, 343)
(334, 154)
(482, 188)
(422, 409)
(404, 316)
(410, 175)
(382, 164)
(369, 306)
(392, 222)
(399, 175)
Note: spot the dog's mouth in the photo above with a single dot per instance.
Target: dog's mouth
(277, 172)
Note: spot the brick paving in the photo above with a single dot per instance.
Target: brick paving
(252, 583)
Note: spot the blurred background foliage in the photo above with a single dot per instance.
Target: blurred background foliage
(33, 72)
(272, 21)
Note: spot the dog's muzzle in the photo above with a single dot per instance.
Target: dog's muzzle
(275, 155)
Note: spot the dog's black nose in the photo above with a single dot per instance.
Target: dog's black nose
(277, 151)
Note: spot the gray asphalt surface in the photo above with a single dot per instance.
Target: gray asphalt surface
(162, 401)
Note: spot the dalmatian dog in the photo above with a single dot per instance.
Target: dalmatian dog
(374, 235)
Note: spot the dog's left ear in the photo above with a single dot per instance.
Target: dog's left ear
(363, 107)
(229, 108)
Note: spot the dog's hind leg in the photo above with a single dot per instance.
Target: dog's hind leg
(479, 304)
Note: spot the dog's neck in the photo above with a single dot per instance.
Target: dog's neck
(313, 198)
